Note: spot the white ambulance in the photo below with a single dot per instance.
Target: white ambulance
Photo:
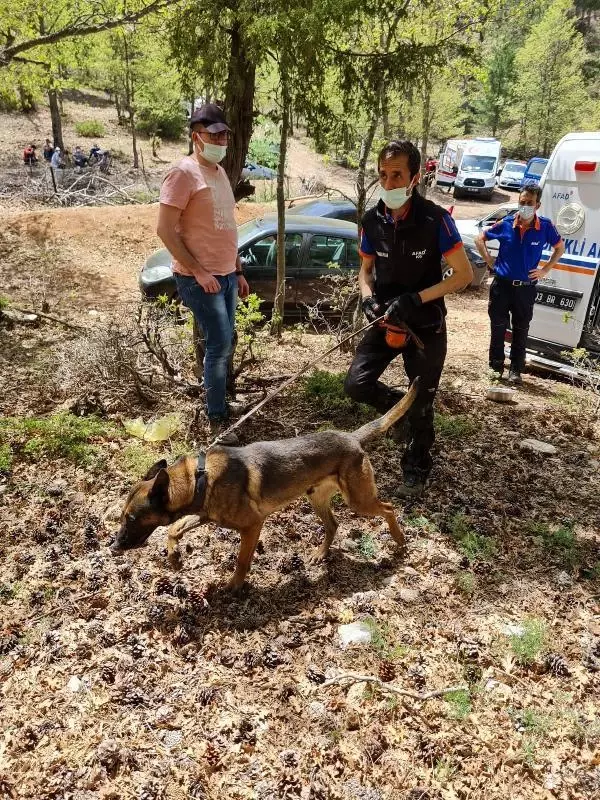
(567, 309)
(470, 165)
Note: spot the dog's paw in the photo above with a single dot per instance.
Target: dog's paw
(318, 557)
(237, 590)
(175, 559)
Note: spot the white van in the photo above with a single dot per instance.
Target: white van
(471, 165)
(567, 310)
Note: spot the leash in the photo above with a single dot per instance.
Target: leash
(418, 342)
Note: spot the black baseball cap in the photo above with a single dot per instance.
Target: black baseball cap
(211, 116)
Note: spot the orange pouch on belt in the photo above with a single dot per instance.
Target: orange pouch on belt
(395, 337)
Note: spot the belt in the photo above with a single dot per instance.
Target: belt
(514, 283)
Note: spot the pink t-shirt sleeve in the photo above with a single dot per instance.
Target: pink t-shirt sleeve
(176, 189)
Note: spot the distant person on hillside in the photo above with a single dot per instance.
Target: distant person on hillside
(48, 150)
(95, 152)
(56, 162)
(79, 157)
(29, 155)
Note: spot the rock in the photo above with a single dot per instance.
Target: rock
(317, 710)
(75, 684)
(408, 595)
(355, 633)
(348, 544)
(564, 580)
(536, 446)
(20, 317)
(355, 695)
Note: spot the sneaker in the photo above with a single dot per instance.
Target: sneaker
(412, 487)
(497, 368)
(514, 375)
(217, 427)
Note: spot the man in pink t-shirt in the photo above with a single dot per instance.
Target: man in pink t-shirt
(196, 223)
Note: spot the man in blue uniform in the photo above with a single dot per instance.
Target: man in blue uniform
(403, 240)
(523, 237)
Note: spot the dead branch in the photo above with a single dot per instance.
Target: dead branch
(390, 687)
(50, 317)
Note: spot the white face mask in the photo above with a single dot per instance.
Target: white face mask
(214, 153)
(395, 198)
(526, 212)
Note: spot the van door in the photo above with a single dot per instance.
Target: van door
(571, 199)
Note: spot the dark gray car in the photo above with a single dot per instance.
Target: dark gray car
(316, 248)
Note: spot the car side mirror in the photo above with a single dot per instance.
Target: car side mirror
(499, 172)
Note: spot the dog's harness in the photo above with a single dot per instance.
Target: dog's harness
(200, 484)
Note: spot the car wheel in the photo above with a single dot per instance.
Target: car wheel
(200, 351)
(456, 194)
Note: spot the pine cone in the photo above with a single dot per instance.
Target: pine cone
(271, 658)
(295, 640)
(314, 674)
(152, 791)
(212, 755)
(95, 583)
(291, 564)
(556, 665)
(419, 793)
(136, 647)
(246, 733)
(206, 695)
(418, 676)
(289, 758)
(51, 554)
(163, 586)
(289, 786)
(108, 673)
(468, 650)
(375, 745)
(179, 590)
(387, 671)
(8, 642)
(36, 599)
(28, 738)
(108, 639)
(429, 750)
(197, 790)
(181, 636)
(40, 536)
(109, 755)
(157, 615)
(196, 602)
(7, 792)
(252, 659)
(227, 658)
(131, 697)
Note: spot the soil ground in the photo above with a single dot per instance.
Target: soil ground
(121, 679)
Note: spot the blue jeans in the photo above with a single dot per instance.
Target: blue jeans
(215, 314)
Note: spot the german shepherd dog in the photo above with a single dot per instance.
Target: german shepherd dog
(239, 487)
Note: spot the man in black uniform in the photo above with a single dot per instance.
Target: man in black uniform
(403, 240)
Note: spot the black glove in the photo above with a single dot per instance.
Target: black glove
(402, 309)
(371, 309)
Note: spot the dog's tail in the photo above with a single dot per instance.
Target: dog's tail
(380, 425)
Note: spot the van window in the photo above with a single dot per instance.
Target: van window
(536, 169)
(478, 163)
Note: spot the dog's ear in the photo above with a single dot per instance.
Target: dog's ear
(159, 493)
(155, 469)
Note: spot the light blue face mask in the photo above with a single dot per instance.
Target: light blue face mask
(526, 212)
(395, 198)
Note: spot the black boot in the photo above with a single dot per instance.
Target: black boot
(412, 486)
(514, 375)
(497, 366)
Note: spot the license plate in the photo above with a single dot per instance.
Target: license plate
(548, 297)
(472, 189)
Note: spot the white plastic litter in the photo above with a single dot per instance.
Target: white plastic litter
(355, 633)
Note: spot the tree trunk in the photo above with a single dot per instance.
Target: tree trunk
(239, 103)
(129, 100)
(385, 118)
(425, 127)
(278, 304)
(365, 150)
(57, 134)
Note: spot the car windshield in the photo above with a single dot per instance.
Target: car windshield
(478, 163)
(248, 229)
(519, 169)
(537, 168)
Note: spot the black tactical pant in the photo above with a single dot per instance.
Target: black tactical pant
(514, 303)
(372, 357)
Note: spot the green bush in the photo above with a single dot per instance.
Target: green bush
(531, 642)
(92, 128)
(61, 435)
(472, 544)
(264, 152)
(455, 427)
(169, 122)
